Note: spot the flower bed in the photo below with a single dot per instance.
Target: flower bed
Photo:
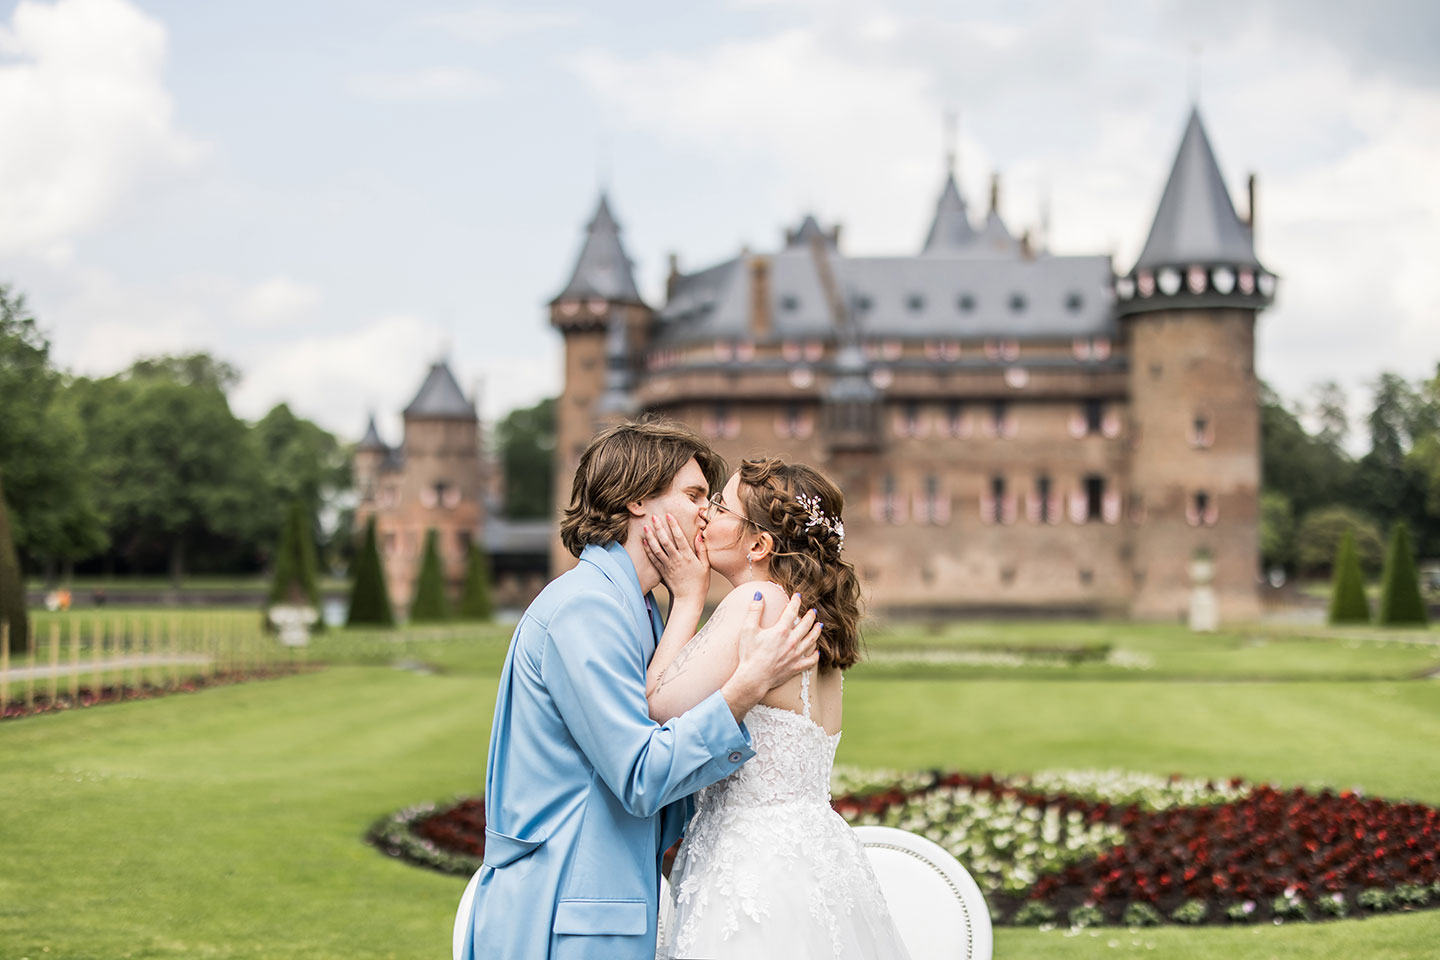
(116, 693)
(1084, 848)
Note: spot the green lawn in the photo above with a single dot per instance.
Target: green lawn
(228, 823)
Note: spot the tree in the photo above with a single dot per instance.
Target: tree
(1330, 413)
(1348, 603)
(295, 580)
(48, 483)
(475, 600)
(527, 455)
(1305, 469)
(174, 464)
(1277, 529)
(369, 596)
(1400, 601)
(1320, 533)
(299, 460)
(430, 605)
(12, 587)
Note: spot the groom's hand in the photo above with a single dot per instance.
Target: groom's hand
(770, 656)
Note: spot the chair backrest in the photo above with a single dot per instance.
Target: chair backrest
(937, 905)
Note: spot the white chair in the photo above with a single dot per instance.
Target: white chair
(936, 904)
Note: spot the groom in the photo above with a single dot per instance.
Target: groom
(583, 791)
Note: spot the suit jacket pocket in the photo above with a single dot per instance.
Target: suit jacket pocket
(619, 917)
(501, 849)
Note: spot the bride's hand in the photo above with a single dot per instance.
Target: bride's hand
(683, 567)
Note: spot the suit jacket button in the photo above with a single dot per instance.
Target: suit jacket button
(735, 756)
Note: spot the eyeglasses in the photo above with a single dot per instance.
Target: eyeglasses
(715, 502)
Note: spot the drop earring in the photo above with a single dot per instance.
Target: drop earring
(750, 569)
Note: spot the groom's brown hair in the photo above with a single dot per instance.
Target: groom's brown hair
(631, 461)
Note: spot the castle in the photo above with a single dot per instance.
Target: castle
(1013, 430)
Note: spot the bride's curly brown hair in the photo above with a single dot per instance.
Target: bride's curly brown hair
(806, 558)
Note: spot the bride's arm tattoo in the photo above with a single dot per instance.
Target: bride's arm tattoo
(683, 658)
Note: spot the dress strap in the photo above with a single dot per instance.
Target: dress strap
(805, 692)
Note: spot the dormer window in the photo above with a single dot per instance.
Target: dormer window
(915, 302)
(966, 303)
(1074, 302)
(789, 303)
(1018, 303)
(863, 302)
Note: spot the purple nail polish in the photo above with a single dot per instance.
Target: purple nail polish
(757, 594)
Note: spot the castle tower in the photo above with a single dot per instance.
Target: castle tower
(440, 484)
(605, 325)
(370, 454)
(1188, 310)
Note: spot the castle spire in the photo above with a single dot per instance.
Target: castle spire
(602, 270)
(950, 229)
(371, 440)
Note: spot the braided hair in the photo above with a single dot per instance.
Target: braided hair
(783, 499)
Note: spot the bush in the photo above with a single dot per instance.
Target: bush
(1241, 912)
(12, 587)
(1348, 603)
(1333, 905)
(475, 599)
(369, 596)
(1086, 915)
(1289, 907)
(1376, 899)
(430, 605)
(1191, 911)
(295, 579)
(1141, 914)
(1318, 539)
(1412, 894)
(1033, 913)
(1400, 603)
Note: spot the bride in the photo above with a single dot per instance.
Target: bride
(767, 868)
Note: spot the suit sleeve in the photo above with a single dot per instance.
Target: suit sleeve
(595, 672)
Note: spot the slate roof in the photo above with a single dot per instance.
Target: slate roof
(1196, 223)
(371, 440)
(950, 229)
(602, 270)
(907, 297)
(440, 397)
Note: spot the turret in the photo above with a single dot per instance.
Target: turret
(605, 324)
(1188, 309)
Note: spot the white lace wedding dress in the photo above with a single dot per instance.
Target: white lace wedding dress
(768, 869)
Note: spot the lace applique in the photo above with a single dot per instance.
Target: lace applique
(769, 825)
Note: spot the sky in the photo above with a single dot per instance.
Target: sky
(332, 195)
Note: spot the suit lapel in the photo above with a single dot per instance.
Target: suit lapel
(614, 562)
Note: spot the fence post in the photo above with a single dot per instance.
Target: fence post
(30, 672)
(75, 663)
(172, 646)
(4, 665)
(54, 661)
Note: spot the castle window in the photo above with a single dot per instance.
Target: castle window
(1017, 303)
(1202, 432)
(789, 303)
(722, 422)
(931, 507)
(1202, 511)
(915, 302)
(1041, 511)
(966, 303)
(909, 419)
(1094, 416)
(863, 302)
(1002, 424)
(1094, 497)
(1073, 302)
(463, 539)
(955, 422)
(992, 508)
(793, 424)
(886, 506)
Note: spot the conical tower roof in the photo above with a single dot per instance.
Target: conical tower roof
(371, 440)
(1196, 223)
(950, 230)
(603, 269)
(440, 397)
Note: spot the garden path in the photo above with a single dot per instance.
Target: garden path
(46, 671)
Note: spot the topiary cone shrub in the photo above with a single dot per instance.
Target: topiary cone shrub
(430, 605)
(369, 597)
(1400, 602)
(295, 579)
(12, 587)
(1348, 603)
(475, 603)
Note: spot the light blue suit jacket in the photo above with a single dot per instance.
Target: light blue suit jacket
(584, 792)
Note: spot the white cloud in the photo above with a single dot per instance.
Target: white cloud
(87, 119)
(429, 85)
(493, 24)
(276, 302)
(336, 378)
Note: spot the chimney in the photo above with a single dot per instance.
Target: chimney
(1250, 214)
(995, 193)
(673, 276)
(759, 298)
